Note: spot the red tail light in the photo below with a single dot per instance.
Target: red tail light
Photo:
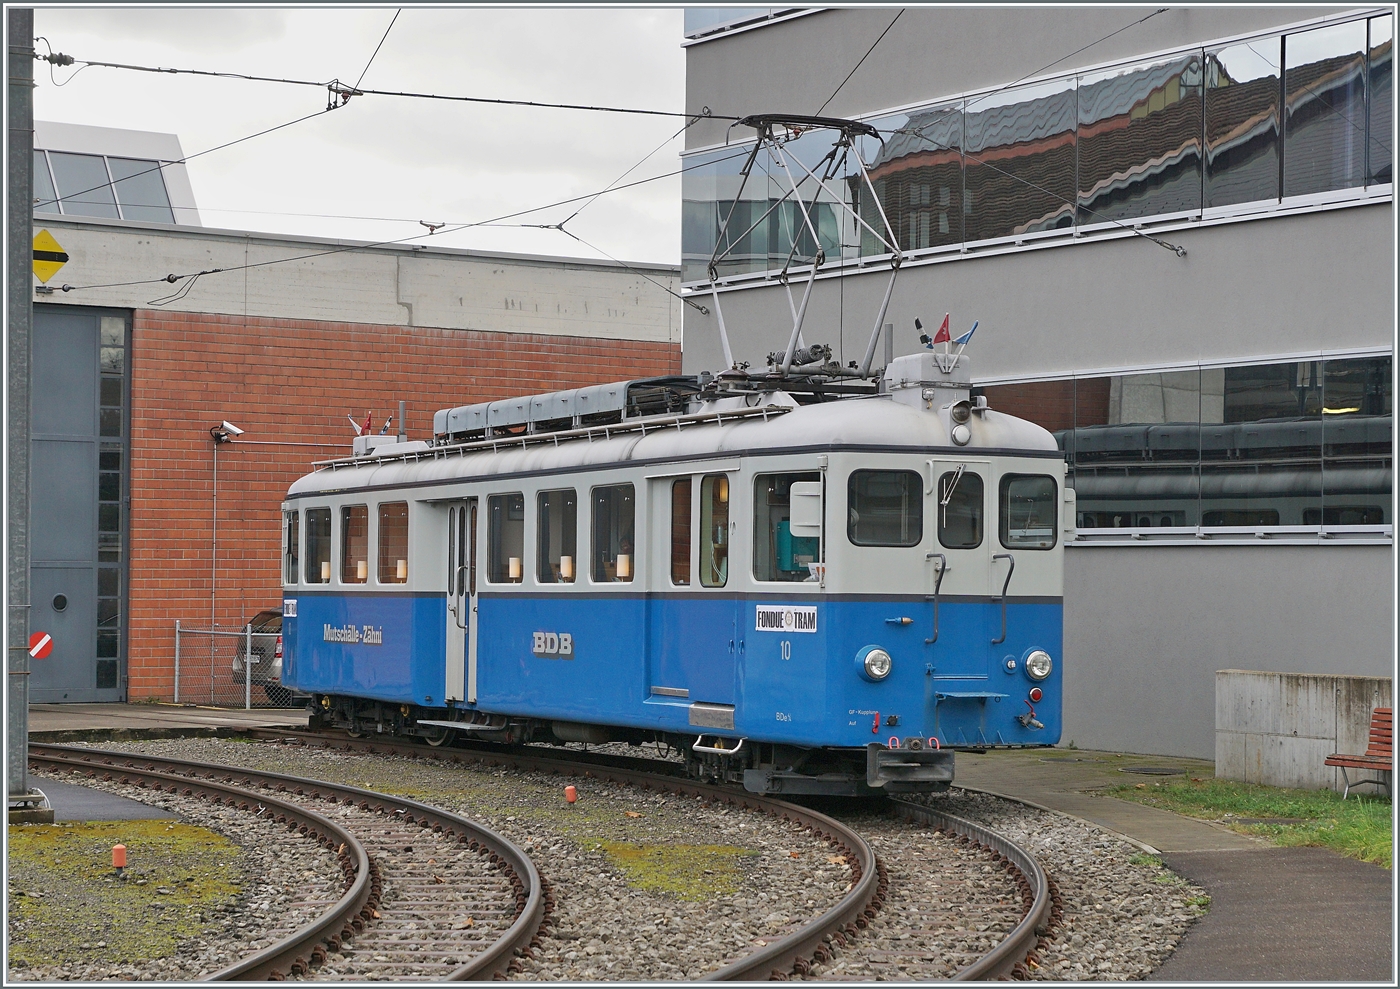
(279, 647)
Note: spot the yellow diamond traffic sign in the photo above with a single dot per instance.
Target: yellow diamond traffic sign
(48, 256)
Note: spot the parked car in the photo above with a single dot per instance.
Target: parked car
(267, 655)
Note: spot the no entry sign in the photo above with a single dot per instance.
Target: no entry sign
(40, 645)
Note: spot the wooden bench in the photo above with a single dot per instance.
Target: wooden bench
(1377, 756)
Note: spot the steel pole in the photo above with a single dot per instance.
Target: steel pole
(19, 315)
(177, 661)
(248, 667)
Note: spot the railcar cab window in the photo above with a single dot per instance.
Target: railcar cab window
(885, 508)
(291, 539)
(614, 534)
(1028, 511)
(393, 542)
(680, 532)
(558, 536)
(505, 538)
(354, 544)
(960, 514)
(714, 523)
(318, 545)
(778, 552)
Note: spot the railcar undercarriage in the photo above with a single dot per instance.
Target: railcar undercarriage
(760, 767)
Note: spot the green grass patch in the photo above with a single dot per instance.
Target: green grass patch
(67, 905)
(1358, 827)
(688, 872)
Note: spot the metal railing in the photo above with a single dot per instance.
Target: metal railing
(210, 667)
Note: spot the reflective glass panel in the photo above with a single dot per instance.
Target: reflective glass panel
(291, 546)
(83, 184)
(777, 553)
(505, 539)
(1357, 417)
(111, 392)
(393, 542)
(960, 510)
(558, 542)
(318, 545)
(918, 174)
(1140, 140)
(1020, 171)
(1135, 450)
(614, 517)
(714, 524)
(1380, 98)
(1242, 123)
(141, 190)
(44, 196)
(1028, 511)
(680, 532)
(1324, 142)
(1261, 460)
(354, 544)
(885, 508)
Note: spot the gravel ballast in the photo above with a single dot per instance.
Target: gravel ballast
(286, 881)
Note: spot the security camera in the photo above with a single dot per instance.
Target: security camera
(230, 427)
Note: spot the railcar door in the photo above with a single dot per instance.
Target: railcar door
(962, 576)
(461, 602)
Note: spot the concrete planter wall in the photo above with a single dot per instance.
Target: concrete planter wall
(1277, 728)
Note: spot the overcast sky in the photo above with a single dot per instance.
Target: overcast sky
(385, 156)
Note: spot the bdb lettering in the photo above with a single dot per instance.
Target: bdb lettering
(553, 645)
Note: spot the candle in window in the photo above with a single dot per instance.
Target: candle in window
(362, 570)
(624, 566)
(402, 572)
(325, 571)
(566, 567)
(515, 569)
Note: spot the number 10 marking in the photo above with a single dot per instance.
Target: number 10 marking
(786, 646)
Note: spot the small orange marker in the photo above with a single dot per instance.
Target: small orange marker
(119, 858)
(570, 794)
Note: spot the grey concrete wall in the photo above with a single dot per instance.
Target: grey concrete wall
(1147, 627)
(1298, 284)
(794, 66)
(1279, 728)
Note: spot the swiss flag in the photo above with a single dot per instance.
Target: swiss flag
(942, 335)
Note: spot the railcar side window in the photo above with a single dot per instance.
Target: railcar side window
(777, 553)
(291, 538)
(558, 542)
(714, 523)
(1028, 515)
(885, 508)
(505, 538)
(960, 510)
(614, 515)
(680, 532)
(393, 542)
(318, 545)
(354, 544)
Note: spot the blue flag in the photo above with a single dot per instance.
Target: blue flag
(962, 340)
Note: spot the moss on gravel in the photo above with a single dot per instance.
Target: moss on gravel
(688, 872)
(66, 905)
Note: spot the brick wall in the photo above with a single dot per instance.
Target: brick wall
(289, 384)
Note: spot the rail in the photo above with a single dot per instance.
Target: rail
(295, 953)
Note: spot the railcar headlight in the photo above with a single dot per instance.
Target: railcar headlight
(874, 663)
(1038, 664)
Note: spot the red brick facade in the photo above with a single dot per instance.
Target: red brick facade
(289, 384)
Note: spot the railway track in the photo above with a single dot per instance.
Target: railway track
(792, 954)
(428, 894)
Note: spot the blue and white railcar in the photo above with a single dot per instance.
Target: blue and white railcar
(802, 592)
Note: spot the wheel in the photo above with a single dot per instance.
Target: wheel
(440, 736)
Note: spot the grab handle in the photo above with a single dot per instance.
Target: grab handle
(1009, 571)
(937, 583)
(716, 750)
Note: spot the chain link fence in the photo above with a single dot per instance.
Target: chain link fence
(210, 667)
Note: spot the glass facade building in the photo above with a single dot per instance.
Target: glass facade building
(1268, 120)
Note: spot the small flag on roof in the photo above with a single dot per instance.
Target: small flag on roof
(942, 335)
(968, 335)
